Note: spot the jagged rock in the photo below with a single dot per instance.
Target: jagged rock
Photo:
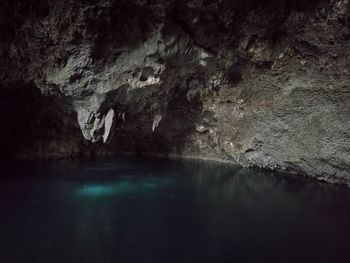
(98, 128)
(86, 120)
(275, 70)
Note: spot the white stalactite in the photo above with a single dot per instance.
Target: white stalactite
(156, 120)
(109, 126)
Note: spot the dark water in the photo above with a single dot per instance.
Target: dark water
(128, 210)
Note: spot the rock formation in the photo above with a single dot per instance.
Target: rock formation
(259, 83)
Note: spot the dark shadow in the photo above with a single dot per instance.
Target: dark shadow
(172, 134)
(35, 125)
(120, 27)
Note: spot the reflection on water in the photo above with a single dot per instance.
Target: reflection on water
(122, 186)
(129, 210)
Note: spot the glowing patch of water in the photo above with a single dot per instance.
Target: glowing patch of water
(122, 187)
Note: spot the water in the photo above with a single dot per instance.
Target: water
(130, 210)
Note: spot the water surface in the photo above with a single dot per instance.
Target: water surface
(131, 210)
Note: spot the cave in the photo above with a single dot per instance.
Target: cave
(175, 131)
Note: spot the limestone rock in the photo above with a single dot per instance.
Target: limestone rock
(109, 126)
(274, 70)
(156, 120)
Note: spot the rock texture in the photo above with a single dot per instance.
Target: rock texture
(259, 83)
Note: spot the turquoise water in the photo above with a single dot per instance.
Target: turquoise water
(132, 210)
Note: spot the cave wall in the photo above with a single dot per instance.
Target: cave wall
(35, 126)
(259, 83)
